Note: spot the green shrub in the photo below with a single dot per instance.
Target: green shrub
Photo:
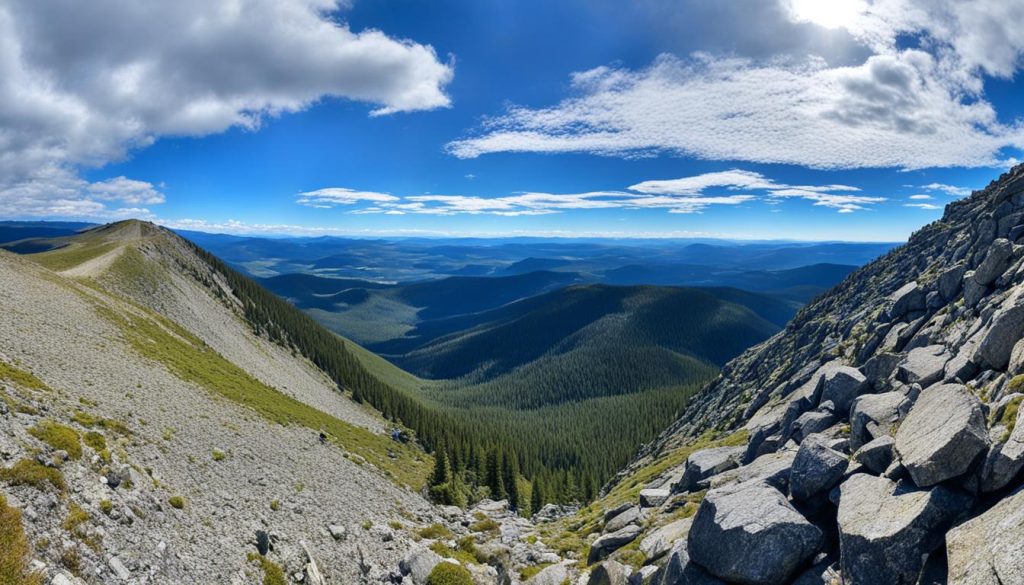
(106, 506)
(58, 436)
(435, 531)
(449, 574)
(75, 518)
(275, 505)
(14, 550)
(219, 455)
(31, 472)
(273, 574)
(95, 441)
(485, 525)
(177, 502)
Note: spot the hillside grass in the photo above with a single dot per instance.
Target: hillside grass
(188, 358)
(19, 377)
(78, 252)
(15, 553)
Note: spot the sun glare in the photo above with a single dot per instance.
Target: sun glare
(827, 13)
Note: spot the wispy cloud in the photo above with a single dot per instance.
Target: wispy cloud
(692, 194)
(930, 206)
(947, 189)
(334, 196)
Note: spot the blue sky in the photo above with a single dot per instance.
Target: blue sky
(841, 120)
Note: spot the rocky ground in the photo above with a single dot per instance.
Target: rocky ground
(878, 440)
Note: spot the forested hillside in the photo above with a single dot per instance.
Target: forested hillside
(576, 378)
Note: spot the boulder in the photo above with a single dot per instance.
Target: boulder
(973, 290)
(1006, 329)
(751, 534)
(644, 575)
(550, 575)
(960, 368)
(680, 570)
(884, 532)
(609, 543)
(842, 385)
(924, 365)
(943, 434)
(1005, 461)
(630, 516)
(987, 550)
(418, 564)
(816, 468)
(772, 469)
(660, 540)
(609, 573)
(652, 498)
(950, 282)
(996, 261)
(812, 422)
(909, 298)
(876, 455)
(873, 416)
(609, 514)
(1016, 359)
(705, 463)
(337, 531)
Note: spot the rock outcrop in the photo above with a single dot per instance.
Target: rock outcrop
(888, 412)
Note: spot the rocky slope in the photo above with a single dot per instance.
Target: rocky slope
(874, 441)
(130, 460)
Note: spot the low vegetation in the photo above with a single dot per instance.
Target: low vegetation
(19, 377)
(32, 473)
(58, 436)
(449, 574)
(176, 502)
(273, 574)
(15, 553)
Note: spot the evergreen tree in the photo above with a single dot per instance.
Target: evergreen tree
(442, 469)
(536, 497)
(509, 475)
(495, 481)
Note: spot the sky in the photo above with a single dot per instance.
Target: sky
(764, 119)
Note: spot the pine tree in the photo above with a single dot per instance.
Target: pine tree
(509, 475)
(536, 497)
(495, 481)
(442, 469)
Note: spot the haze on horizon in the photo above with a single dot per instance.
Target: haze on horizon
(789, 119)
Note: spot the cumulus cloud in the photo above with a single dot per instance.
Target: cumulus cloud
(906, 107)
(83, 84)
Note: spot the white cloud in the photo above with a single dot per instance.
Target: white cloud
(334, 196)
(921, 196)
(923, 205)
(902, 107)
(734, 179)
(85, 83)
(126, 190)
(947, 189)
(682, 195)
